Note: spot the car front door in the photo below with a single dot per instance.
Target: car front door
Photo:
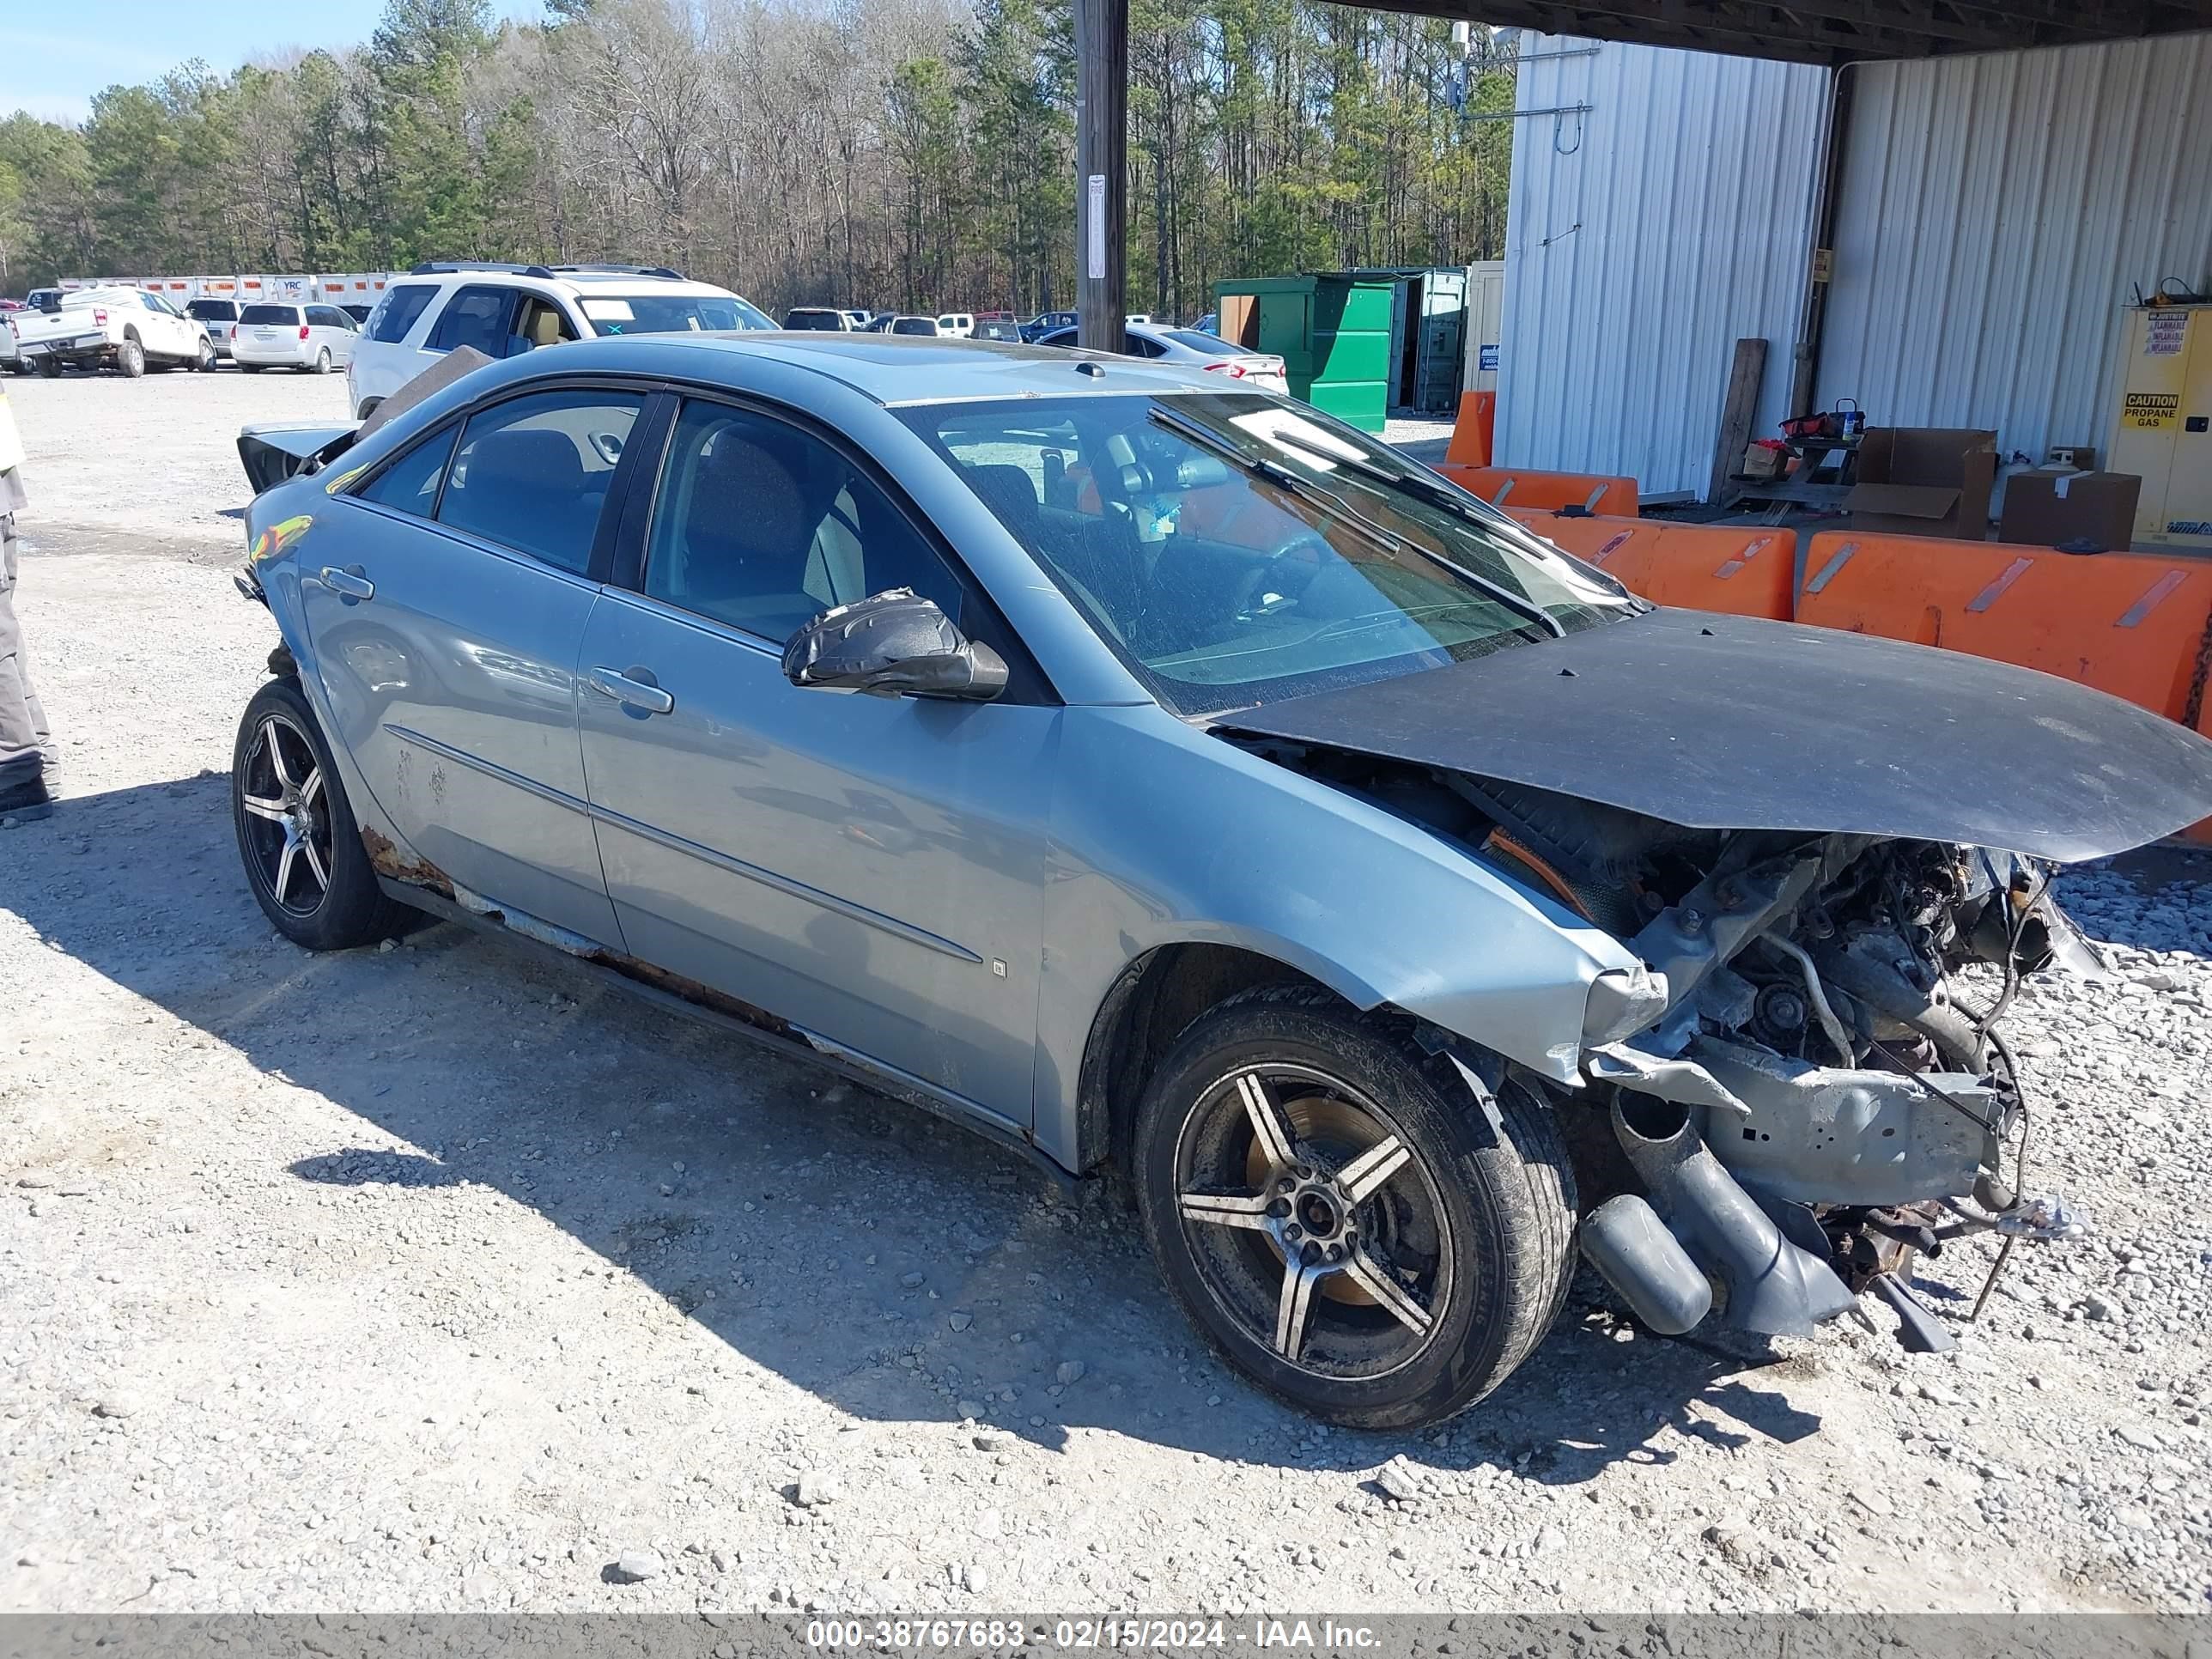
(446, 642)
(869, 869)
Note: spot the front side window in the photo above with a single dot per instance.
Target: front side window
(474, 316)
(762, 526)
(669, 314)
(396, 313)
(532, 473)
(410, 483)
(1233, 551)
(539, 322)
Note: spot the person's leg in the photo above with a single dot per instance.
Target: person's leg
(24, 737)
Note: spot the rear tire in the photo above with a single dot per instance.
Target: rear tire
(130, 358)
(1452, 1262)
(204, 359)
(322, 363)
(249, 368)
(50, 368)
(296, 834)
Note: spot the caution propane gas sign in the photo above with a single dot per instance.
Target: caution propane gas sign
(2151, 411)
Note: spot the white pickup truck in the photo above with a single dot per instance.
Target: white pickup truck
(87, 327)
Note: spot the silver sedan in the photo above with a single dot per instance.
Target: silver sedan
(1262, 370)
(1153, 773)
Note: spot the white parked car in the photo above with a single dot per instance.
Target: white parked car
(958, 325)
(9, 358)
(288, 334)
(127, 327)
(218, 317)
(1260, 369)
(502, 310)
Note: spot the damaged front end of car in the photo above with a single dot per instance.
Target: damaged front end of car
(1804, 1082)
(1821, 1095)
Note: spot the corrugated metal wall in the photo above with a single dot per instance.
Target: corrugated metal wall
(1995, 212)
(1643, 240)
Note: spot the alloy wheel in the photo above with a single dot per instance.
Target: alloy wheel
(1313, 1222)
(282, 793)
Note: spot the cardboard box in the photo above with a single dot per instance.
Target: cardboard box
(1761, 463)
(1924, 481)
(2056, 509)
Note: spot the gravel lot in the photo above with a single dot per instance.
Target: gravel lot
(435, 1277)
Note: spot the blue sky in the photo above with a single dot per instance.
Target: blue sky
(54, 57)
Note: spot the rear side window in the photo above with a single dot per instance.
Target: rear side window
(214, 311)
(287, 315)
(474, 316)
(395, 315)
(532, 473)
(410, 483)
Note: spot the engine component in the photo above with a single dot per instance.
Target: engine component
(1775, 1287)
(1819, 1134)
(1918, 1330)
(1632, 1251)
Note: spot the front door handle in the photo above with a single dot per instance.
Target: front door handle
(348, 584)
(634, 689)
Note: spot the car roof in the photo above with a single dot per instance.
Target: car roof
(577, 284)
(905, 368)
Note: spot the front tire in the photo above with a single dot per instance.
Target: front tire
(296, 834)
(1348, 1222)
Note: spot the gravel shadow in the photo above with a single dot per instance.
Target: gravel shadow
(895, 1267)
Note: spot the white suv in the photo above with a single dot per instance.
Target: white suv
(503, 309)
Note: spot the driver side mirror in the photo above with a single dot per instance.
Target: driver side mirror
(894, 644)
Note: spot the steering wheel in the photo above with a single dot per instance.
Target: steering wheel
(1287, 572)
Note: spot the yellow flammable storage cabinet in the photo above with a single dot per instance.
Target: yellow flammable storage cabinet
(2164, 432)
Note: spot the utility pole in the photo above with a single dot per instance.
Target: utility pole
(1102, 139)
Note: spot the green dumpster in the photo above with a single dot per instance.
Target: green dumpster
(1332, 331)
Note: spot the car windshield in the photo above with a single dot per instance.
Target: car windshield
(1235, 552)
(290, 314)
(671, 313)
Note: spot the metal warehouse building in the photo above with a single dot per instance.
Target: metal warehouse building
(1952, 241)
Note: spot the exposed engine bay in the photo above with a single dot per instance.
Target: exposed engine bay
(1806, 1089)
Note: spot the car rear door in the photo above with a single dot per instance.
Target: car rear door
(869, 870)
(446, 629)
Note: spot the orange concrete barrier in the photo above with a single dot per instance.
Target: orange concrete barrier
(1503, 486)
(2128, 623)
(1474, 434)
(1739, 570)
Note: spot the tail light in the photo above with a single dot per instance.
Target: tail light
(98, 318)
(1235, 371)
(303, 330)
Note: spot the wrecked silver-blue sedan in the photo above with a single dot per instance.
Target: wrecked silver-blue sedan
(1152, 773)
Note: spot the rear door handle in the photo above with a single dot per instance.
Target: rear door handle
(634, 689)
(348, 584)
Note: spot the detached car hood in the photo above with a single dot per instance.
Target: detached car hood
(1727, 723)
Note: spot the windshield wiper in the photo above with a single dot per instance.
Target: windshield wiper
(1280, 476)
